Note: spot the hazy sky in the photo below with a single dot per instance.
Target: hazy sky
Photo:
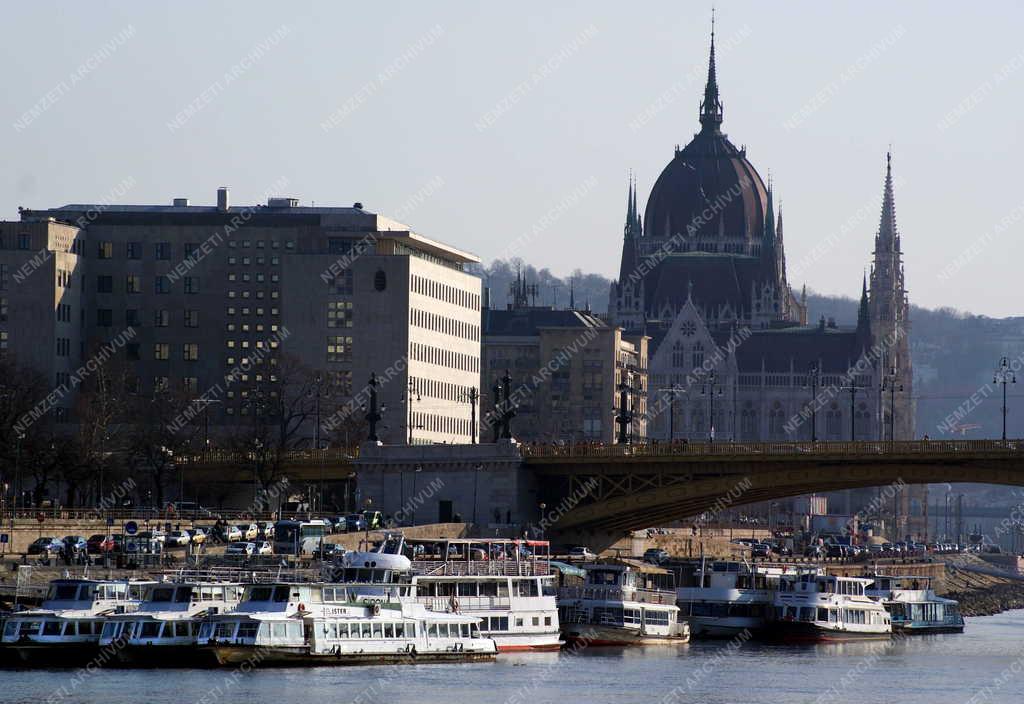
(512, 126)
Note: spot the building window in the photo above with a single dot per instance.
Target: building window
(160, 384)
(163, 250)
(131, 318)
(339, 348)
(190, 384)
(698, 355)
(104, 284)
(191, 248)
(341, 283)
(161, 351)
(3, 310)
(678, 355)
(776, 418)
(133, 250)
(339, 314)
(105, 250)
(191, 318)
(163, 284)
(3, 339)
(162, 318)
(104, 317)
(131, 351)
(133, 284)
(834, 422)
(191, 284)
(190, 352)
(3, 277)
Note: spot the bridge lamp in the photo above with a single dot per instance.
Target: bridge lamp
(1004, 375)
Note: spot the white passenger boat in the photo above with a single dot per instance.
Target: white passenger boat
(622, 603)
(505, 583)
(728, 598)
(66, 630)
(164, 630)
(326, 624)
(914, 607)
(811, 607)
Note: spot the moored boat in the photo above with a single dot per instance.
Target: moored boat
(811, 607)
(326, 624)
(65, 631)
(914, 607)
(622, 603)
(728, 598)
(164, 630)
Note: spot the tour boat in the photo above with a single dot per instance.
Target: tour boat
(327, 624)
(164, 630)
(507, 584)
(811, 607)
(623, 603)
(914, 607)
(65, 630)
(728, 598)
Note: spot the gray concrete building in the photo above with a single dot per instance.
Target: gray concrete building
(223, 303)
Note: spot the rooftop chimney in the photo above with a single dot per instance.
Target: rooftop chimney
(181, 202)
(222, 199)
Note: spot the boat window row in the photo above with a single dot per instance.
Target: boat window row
(722, 610)
(184, 594)
(826, 615)
(279, 594)
(52, 628)
(150, 629)
(89, 592)
(488, 588)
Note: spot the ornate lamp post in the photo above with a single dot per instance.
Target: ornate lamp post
(813, 380)
(891, 384)
(711, 389)
(1004, 375)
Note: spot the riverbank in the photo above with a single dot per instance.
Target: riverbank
(981, 594)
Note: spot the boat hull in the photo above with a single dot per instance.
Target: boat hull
(54, 654)
(701, 627)
(799, 632)
(536, 643)
(926, 629)
(165, 656)
(299, 657)
(617, 637)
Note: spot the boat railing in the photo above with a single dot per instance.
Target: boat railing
(235, 574)
(471, 603)
(645, 596)
(486, 568)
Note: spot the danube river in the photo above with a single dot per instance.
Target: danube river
(984, 664)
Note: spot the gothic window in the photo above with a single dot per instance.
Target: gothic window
(834, 422)
(776, 418)
(698, 424)
(678, 355)
(748, 422)
(862, 419)
(698, 355)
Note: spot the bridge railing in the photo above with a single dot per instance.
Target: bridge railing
(728, 448)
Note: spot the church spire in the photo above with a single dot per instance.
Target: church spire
(888, 238)
(632, 226)
(711, 106)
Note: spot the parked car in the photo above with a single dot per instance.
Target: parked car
(354, 522)
(245, 549)
(249, 531)
(264, 547)
(178, 538)
(45, 545)
(265, 530)
(838, 551)
(655, 555)
(232, 534)
(76, 543)
(113, 543)
(94, 543)
(328, 551)
(582, 553)
(875, 550)
(760, 550)
(815, 551)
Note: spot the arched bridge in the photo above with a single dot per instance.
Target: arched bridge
(614, 489)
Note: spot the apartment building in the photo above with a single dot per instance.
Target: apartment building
(218, 300)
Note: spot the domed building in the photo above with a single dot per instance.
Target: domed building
(703, 275)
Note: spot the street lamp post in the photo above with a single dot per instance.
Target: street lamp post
(813, 379)
(419, 468)
(408, 410)
(672, 392)
(476, 481)
(852, 388)
(710, 389)
(17, 472)
(892, 385)
(1004, 375)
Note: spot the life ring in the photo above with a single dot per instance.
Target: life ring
(376, 609)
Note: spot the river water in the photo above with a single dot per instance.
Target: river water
(983, 664)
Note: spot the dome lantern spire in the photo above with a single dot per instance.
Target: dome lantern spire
(711, 106)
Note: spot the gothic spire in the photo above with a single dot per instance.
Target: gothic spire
(888, 238)
(711, 106)
(769, 217)
(864, 313)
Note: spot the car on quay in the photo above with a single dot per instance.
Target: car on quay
(249, 531)
(77, 544)
(232, 534)
(581, 552)
(178, 538)
(45, 545)
(328, 552)
(95, 542)
(655, 556)
(198, 536)
(760, 550)
(355, 522)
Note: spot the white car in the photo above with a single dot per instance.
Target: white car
(249, 531)
(181, 538)
(264, 548)
(246, 549)
(233, 534)
(582, 553)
